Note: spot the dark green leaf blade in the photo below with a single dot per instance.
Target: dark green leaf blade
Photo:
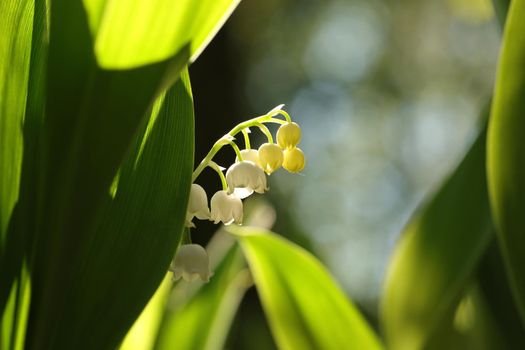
(437, 255)
(304, 306)
(137, 233)
(506, 151)
(92, 116)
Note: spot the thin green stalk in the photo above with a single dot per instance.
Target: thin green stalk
(266, 132)
(218, 169)
(246, 139)
(229, 137)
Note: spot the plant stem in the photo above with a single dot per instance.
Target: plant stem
(229, 137)
(246, 139)
(218, 169)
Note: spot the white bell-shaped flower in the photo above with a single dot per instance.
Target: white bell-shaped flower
(197, 205)
(244, 178)
(226, 208)
(250, 154)
(191, 262)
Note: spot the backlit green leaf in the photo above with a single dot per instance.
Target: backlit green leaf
(127, 253)
(16, 242)
(506, 151)
(437, 254)
(15, 49)
(144, 331)
(203, 322)
(132, 33)
(305, 307)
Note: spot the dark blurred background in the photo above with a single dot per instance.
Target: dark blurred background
(388, 95)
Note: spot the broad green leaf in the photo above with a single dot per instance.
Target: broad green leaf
(203, 322)
(132, 33)
(305, 307)
(437, 254)
(506, 151)
(144, 331)
(13, 275)
(15, 48)
(127, 253)
(92, 116)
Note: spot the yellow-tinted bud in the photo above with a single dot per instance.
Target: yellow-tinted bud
(270, 157)
(293, 160)
(288, 135)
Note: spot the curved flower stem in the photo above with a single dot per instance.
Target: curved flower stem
(266, 132)
(218, 169)
(236, 150)
(246, 139)
(229, 137)
(277, 121)
(186, 236)
(213, 151)
(286, 116)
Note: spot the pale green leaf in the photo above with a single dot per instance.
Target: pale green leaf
(144, 331)
(15, 49)
(437, 255)
(132, 33)
(16, 246)
(13, 322)
(305, 307)
(204, 320)
(506, 151)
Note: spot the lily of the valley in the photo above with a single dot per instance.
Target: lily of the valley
(270, 157)
(289, 135)
(191, 262)
(250, 154)
(245, 177)
(197, 205)
(293, 160)
(226, 208)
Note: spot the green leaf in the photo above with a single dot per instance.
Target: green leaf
(13, 276)
(128, 252)
(90, 246)
(506, 151)
(132, 33)
(144, 331)
(203, 322)
(305, 307)
(14, 319)
(15, 48)
(437, 254)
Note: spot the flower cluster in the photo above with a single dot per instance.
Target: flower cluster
(244, 177)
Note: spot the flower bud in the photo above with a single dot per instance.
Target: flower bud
(197, 205)
(226, 208)
(244, 178)
(190, 262)
(293, 160)
(288, 135)
(270, 157)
